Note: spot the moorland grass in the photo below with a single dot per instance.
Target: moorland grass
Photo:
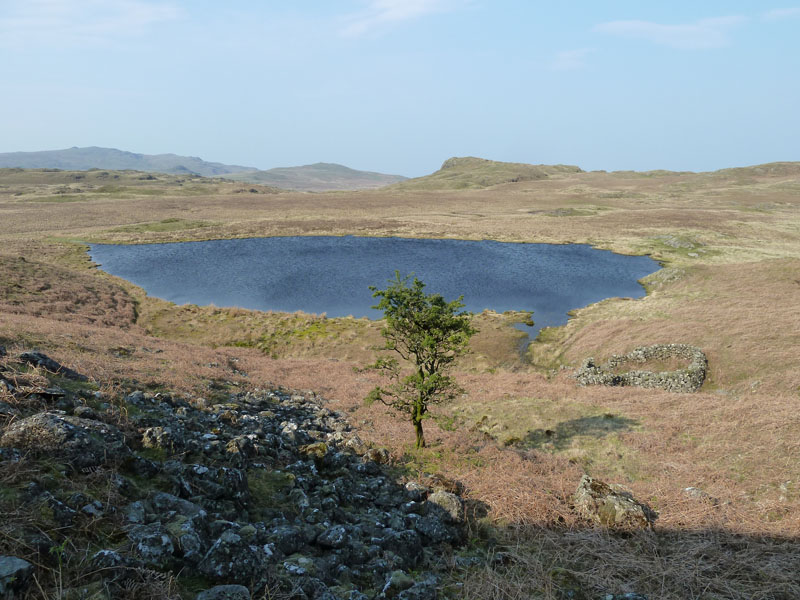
(738, 300)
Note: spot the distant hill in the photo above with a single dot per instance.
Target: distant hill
(93, 157)
(318, 177)
(471, 173)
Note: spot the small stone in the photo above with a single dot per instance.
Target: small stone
(356, 445)
(38, 359)
(398, 581)
(14, 575)
(335, 537)
(380, 456)
(85, 443)
(599, 502)
(452, 505)
(225, 592)
(698, 494)
(85, 412)
(317, 450)
(152, 543)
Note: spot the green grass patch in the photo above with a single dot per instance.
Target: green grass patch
(59, 198)
(269, 489)
(163, 226)
(587, 435)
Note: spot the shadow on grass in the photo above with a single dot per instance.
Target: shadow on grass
(562, 435)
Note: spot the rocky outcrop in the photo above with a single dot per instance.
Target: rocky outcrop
(688, 379)
(38, 359)
(81, 442)
(267, 489)
(610, 506)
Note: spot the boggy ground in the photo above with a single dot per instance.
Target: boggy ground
(522, 435)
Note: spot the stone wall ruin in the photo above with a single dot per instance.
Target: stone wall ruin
(688, 379)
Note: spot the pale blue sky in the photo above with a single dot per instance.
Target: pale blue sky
(398, 86)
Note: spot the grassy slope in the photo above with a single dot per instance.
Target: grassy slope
(731, 242)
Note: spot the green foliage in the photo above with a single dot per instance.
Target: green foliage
(428, 333)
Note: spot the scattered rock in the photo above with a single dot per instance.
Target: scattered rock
(568, 584)
(163, 438)
(452, 505)
(225, 592)
(610, 507)
(698, 494)
(83, 442)
(152, 544)
(379, 456)
(14, 576)
(277, 492)
(334, 537)
(356, 445)
(234, 557)
(317, 450)
(6, 410)
(398, 581)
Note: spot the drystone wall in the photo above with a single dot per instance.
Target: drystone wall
(688, 379)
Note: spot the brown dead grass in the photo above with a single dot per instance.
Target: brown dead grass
(37, 289)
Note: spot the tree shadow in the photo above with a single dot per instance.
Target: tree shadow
(561, 436)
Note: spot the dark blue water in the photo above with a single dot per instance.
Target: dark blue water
(332, 274)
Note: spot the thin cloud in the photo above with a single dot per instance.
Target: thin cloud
(571, 60)
(779, 14)
(78, 22)
(380, 14)
(706, 33)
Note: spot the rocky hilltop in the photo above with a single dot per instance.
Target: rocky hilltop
(161, 496)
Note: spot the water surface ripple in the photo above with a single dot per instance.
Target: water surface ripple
(332, 274)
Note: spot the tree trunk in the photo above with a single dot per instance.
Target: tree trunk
(420, 434)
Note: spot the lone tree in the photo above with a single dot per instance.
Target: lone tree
(428, 333)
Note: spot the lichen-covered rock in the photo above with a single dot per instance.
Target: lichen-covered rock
(6, 410)
(217, 489)
(152, 544)
(234, 557)
(317, 450)
(164, 438)
(451, 504)
(225, 592)
(333, 537)
(82, 442)
(397, 582)
(379, 456)
(42, 360)
(421, 590)
(434, 530)
(277, 493)
(15, 575)
(610, 507)
(406, 545)
(356, 445)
